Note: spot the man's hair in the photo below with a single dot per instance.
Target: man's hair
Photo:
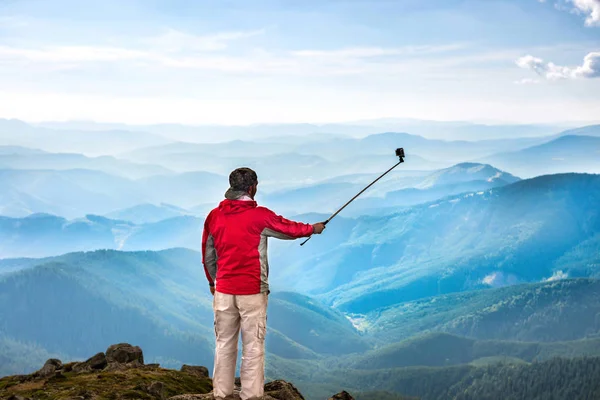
(242, 179)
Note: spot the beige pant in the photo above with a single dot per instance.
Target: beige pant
(250, 314)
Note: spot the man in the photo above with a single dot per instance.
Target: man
(234, 254)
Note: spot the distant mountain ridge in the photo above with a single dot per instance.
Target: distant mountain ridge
(567, 153)
(76, 192)
(102, 142)
(41, 235)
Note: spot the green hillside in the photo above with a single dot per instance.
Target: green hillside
(516, 233)
(550, 311)
(552, 379)
(80, 301)
(442, 349)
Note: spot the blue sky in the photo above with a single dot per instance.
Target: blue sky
(246, 61)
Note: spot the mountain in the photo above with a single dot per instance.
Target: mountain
(590, 130)
(440, 349)
(158, 299)
(235, 148)
(18, 133)
(461, 178)
(80, 302)
(568, 153)
(41, 235)
(553, 379)
(439, 151)
(63, 161)
(314, 161)
(467, 172)
(272, 169)
(185, 189)
(18, 150)
(461, 130)
(71, 193)
(308, 322)
(148, 213)
(531, 230)
(393, 191)
(75, 193)
(543, 312)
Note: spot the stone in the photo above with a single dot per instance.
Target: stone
(156, 389)
(124, 353)
(80, 367)
(97, 362)
(282, 390)
(342, 396)
(200, 372)
(49, 368)
(56, 362)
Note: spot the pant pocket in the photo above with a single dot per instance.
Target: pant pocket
(262, 331)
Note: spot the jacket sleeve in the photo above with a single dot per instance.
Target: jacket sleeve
(278, 227)
(209, 254)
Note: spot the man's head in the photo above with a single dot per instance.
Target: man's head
(242, 181)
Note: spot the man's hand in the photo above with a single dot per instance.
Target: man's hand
(212, 290)
(318, 228)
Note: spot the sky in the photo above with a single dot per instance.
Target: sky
(238, 62)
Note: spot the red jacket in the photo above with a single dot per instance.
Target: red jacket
(234, 245)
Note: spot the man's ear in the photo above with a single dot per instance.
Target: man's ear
(253, 190)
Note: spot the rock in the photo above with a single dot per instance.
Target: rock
(49, 368)
(80, 367)
(277, 390)
(156, 389)
(68, 367)
(124, 353)
(200, 372)
(56, 362)
(98, 361)
(342, 396)
(282, 390)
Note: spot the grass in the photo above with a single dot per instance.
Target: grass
(113, 385)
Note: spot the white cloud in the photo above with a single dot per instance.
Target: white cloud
(367, 52)
(69, 54)
(590, 67)
(591, 8)
(551, 71)
(177, 50)
(558, 275)
(176, 41)
(527, 81)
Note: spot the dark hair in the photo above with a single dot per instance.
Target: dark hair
(242, 179)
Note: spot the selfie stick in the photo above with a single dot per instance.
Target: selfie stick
(399, 153)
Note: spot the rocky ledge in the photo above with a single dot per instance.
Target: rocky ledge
(120, 373)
